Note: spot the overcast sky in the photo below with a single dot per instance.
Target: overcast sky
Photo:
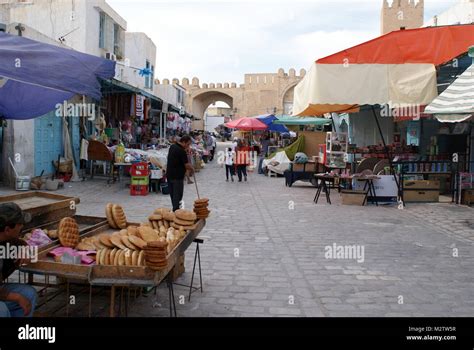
(220, 41)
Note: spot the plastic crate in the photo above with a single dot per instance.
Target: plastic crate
(140, 180)
(140, 170)
(138, 190)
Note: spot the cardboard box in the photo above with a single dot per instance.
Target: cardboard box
(421, 191)
(444, 182)
(308, 167)
(351, 197)
(467, 197)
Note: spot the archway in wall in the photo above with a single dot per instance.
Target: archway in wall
(203, 101)
(288, 100)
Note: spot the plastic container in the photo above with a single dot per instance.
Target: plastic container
(139, 169)
(23, 183)
(52, 185)
(139, 190)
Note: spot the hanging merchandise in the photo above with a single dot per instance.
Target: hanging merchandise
(138, 108)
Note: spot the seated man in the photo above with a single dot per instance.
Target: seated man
(16, 300)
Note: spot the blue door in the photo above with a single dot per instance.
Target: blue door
(48, 142)
(74, 126)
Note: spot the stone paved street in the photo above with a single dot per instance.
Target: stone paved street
(264, 253)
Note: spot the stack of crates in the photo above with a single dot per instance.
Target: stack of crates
(140, 175)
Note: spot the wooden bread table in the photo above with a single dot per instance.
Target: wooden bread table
(108, 275)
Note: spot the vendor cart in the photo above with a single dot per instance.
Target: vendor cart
(105, 276)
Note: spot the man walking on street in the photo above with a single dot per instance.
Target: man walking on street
(178, 164)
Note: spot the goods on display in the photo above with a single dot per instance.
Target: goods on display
(156, 255)
(68, 232)
(201, 208)
(115, 216)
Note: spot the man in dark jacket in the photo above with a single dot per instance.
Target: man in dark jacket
(178, 164)
(16, 300)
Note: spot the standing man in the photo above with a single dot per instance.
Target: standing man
(16, 300)
(178, 164)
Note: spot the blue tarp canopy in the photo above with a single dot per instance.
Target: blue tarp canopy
(34, 76)
(269, 119)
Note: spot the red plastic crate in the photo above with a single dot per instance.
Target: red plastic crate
(139, 169)
(138, 190)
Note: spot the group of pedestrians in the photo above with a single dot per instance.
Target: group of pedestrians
(237, 159)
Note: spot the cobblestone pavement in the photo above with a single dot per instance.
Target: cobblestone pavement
(265, 253)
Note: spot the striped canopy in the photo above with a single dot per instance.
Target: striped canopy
(456, 103)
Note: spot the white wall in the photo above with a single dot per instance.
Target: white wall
(138, 49)
(54, 18)
(212, 122)
(167, 93)
(462, 13)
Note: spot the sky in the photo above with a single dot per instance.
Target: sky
(219, 41)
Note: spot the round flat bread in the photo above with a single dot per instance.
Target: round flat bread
(117, 242)
(126, 242)
(85, 246)
(148, 234)
(189, 227)
(155, 217)
(132, 230)
(112, 256)
(169, 216)
(135, 258)
(119, 216)
(186, 215)
(103, 254)
(121, 259)
(68, 232)
(107, 257)
(160, 244)
(161, 211)
(183, 222)
(110, 216)
(116, 257)
(141, 258)
(97, 256)
(104, 239)
(137, 241)
(128, 257)
(202, 200)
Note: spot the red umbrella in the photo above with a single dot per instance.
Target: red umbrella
(247, 124)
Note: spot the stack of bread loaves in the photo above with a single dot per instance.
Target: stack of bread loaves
(201, 208)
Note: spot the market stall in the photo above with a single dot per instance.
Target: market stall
(375, 79)
(106, 252)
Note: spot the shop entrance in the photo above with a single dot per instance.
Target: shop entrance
(48, 142)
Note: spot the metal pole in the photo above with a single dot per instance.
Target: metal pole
(386, 150)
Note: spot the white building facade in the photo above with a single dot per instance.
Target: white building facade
(460, 13)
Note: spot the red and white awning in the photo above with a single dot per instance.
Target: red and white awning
(398, 69)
